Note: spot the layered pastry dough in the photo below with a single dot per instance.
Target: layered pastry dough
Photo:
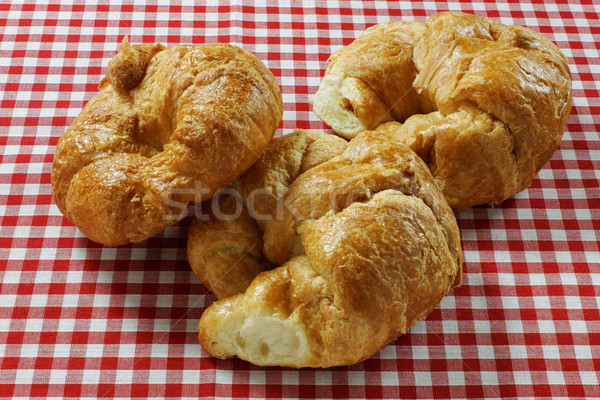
(169, 126)
(484, 104)
(367, 246)
(225, 246)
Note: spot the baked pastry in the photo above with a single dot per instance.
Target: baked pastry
(485, 104)
(225, 239)
(169, 126)
(369, 246)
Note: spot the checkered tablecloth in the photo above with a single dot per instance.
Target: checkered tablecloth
(78, 320)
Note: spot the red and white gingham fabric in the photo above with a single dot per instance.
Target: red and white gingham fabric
(78, 320)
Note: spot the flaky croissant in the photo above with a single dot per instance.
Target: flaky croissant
(225, 240)
(369, 246)
(169, 126)
(485, 104)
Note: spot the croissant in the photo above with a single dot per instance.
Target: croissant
(158, 134)
(367, 246)
(225, 241)
(485, 104)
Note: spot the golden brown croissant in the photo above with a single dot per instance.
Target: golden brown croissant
(485, 104)
(169, 126)
(369, 246)
(225, 241)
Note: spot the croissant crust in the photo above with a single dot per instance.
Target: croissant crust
(484, 104)
(367, 246)
(158, 135)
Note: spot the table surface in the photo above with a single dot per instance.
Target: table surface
(84, 321)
